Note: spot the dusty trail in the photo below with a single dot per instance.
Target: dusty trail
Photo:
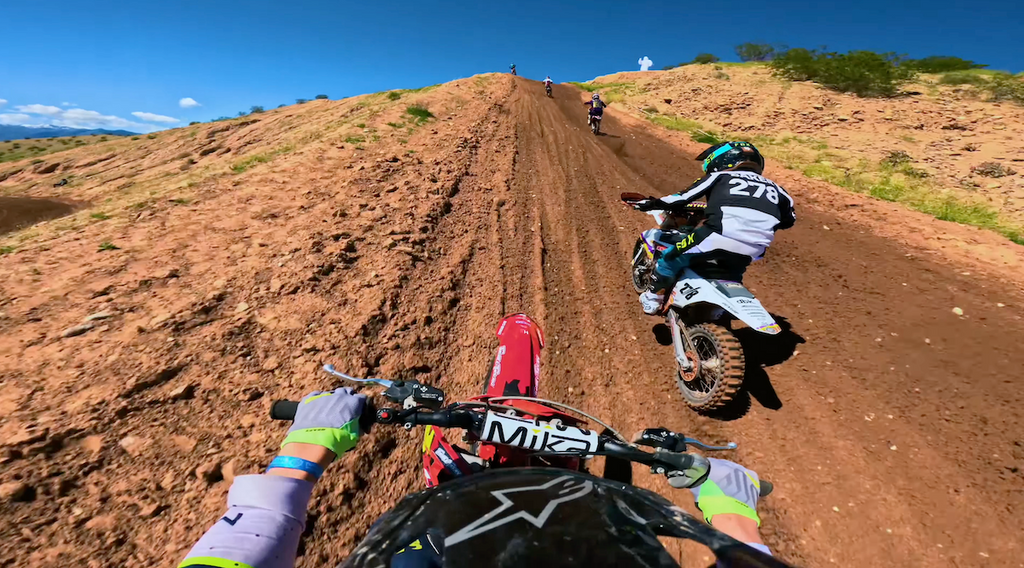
(820, 425)
(402, 266)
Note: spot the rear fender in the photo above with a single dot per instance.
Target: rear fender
(692, 289)
(516, 369)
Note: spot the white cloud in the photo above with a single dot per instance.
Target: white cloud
(79, 118)
(150, 117)
(188, 102)
(3, 102)
(40, 109)
(15, 119)
(68, 104)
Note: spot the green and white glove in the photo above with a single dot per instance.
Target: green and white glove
(730, 489)
(328, 419)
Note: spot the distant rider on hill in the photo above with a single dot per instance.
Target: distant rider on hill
(744, 209)
(512, 68)
(596, 107)
(547, 85)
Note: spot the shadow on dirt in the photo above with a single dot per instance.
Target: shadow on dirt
(760, 351)
(20, 212)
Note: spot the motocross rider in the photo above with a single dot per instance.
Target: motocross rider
(266, 513)
(512, 68)
(547, 83)
(596, 107)
(744, 209)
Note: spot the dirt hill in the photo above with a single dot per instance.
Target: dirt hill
(937, 139)
(213, 268)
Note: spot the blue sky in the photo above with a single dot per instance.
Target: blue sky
(96, 62)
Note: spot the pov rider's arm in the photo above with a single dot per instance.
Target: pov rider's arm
(728, 499)
(267, 513)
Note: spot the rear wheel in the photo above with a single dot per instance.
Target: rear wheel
(718, 368)
(642, 267)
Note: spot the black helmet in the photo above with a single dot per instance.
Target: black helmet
(538, 517)
(729, 155)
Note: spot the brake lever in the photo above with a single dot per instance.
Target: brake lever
(703, 446)
(382, 382)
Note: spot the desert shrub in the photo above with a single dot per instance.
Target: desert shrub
(705, 58)
(420, 112)
(282, 105)
(943, 64)
(321, 97)
(394, 95)
(755, 51)
(255, 109)
(864, 73)
(1006, 87)
(961, 78)
(993, 170)
(193, 123)
(301, 101)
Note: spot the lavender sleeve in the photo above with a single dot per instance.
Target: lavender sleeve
(265, 518)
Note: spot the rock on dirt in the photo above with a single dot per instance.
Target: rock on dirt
(134, 445)
(77, 330)
(210, 472)
(185, 443)
(93, 443)
(182, 392)
(101, 523)
(99, 316)
(16, 491)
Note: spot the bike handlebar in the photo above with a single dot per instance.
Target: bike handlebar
(473, 421)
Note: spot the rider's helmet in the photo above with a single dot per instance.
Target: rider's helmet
(596, 97)
(537, 517)
(732, 155)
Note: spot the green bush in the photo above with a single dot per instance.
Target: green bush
(301, 101)
(321, 97)
(943, 64)
(961, 78)
(394, 95)
(705, 58)
(864, 73)
(193, 123)
(755, 51)
(1006, 87)
(255, 109)
(420, 112)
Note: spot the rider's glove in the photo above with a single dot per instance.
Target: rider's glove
(730, 489)
(328, 419)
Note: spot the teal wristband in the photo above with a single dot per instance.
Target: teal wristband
(292, 462)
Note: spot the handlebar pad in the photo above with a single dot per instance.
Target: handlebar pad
(283, 409)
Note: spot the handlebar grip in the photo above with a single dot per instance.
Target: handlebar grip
(283, 409)
(766, 488)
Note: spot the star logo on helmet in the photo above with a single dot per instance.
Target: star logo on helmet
(530, 504)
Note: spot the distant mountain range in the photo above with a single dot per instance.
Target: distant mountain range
(23, 132)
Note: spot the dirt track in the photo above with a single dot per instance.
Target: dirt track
(917, 444)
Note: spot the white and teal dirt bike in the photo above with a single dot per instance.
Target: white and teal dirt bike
(706, 300)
